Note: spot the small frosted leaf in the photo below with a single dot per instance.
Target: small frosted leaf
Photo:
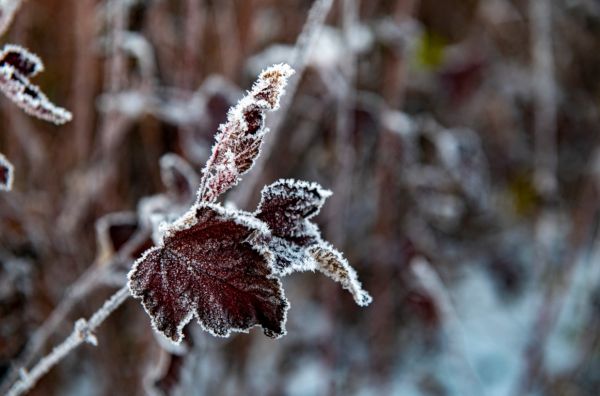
(206, 268)
(6, 174)
(331, 263)
(16, 66)
(286, 207)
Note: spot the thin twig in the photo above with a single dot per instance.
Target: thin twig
(83, 331)
(83, 286)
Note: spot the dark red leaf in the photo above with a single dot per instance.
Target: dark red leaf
(286, 207)
(22, 60)
(206, 267)
(16, 66)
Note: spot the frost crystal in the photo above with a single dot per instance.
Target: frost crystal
(286, 207)
(240, 138)
(206, 267)
(17, 65)
(6, 174)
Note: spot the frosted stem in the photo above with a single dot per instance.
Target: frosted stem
(83, 331)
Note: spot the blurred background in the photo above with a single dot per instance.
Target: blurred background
(460, 138)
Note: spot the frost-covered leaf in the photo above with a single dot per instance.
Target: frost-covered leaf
(286, 207)
(287, 204)
(6, 174)
(240, 138)
(23, 61)
(206, 267)
(331, 263)
(16, 66)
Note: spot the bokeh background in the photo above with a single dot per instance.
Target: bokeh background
(460, 138)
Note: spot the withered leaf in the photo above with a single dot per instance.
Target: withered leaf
(286, 207)
(206, 267)
(17, 65)
(240, 138)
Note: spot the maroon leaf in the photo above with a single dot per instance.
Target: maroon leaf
(240, 137)
(286, 207)
(206, 267)
(16, 66)
(23, 61)
(6, 174)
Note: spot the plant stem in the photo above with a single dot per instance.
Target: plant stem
(82, 332)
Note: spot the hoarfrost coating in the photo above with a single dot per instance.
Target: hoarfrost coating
(239, 139)
(207, 269)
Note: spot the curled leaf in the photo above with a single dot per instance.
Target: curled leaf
(207, 268)
(240, 138)
(6, 174)
(286, 207)
(17, 65)
(331, 263)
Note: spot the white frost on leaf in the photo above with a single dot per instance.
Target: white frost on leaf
(206, 268)
(332, 263)
(239, 139)
(17, 65)
(6, 174)
(286, 206)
